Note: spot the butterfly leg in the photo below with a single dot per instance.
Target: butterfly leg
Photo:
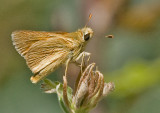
(82, 63)
(82, 55)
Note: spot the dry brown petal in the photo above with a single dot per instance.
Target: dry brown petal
(65, 97)
(98, 83)
(92, 83)
(83, 89)
(100, 91)
(84, 74)
(108, 87)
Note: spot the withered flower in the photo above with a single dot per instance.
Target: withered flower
(89, 90)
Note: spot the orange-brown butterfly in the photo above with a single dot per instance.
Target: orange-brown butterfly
(45, 51)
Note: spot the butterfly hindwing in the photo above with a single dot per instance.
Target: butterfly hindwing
(42, 53)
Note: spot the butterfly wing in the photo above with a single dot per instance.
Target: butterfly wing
(43, 52)
(43, 60)
(24, 39)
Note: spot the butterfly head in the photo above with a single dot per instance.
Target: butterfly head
(87, 33)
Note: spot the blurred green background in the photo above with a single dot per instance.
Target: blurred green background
(131, 59)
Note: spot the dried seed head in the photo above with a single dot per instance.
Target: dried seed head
(91, 88)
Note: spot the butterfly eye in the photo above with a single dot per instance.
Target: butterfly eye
(86, 36)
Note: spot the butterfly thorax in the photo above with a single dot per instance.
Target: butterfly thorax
(76, 45)
(79, 40)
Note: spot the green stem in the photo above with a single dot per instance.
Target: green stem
(65, 109)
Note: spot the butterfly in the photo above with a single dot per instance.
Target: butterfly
(46, 51)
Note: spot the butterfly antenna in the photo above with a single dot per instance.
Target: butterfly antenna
(90, 16)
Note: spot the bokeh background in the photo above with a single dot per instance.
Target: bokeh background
(131, 59)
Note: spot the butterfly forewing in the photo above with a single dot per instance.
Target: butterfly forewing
(24, 39)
